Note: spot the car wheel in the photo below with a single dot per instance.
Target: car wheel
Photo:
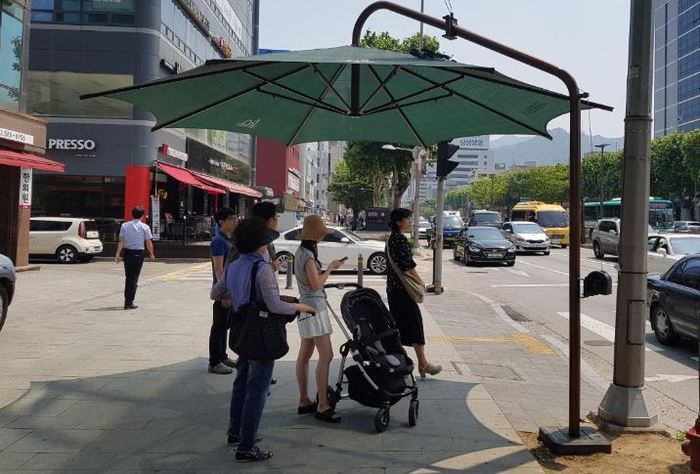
(377, 264)
(546, 252)
(281, 259)
(4, 302)
(67, 254)
(663, 329)
(564, 245)
(599, 254)
(510, 264)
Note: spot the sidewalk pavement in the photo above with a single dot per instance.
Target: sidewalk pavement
(85, 386)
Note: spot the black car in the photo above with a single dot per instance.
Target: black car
(484, 244)
(7, 286)
(674, 301)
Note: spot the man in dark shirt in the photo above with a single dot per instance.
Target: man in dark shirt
(222, 252)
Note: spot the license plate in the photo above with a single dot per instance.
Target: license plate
(92, 234)
(556, 241)
(495, 255)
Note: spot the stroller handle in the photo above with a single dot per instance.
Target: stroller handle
(342, 286)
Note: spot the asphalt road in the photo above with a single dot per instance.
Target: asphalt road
(536, 288)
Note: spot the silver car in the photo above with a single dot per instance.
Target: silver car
(527, 237)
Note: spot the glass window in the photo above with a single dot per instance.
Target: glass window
(58, 93)
(292, 234)
(109, 5)
(10, 51)
(42, 4)
(48, 226)
(691, 274)
(334, 236)
(553, 218)
(675, 274)
(685, 245)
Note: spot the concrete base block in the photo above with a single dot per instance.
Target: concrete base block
(626, 406)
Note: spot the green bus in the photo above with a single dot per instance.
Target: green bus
(660, 213)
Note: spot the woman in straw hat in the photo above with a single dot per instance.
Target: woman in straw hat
(315, 330)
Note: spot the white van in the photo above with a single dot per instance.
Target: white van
(68, 239)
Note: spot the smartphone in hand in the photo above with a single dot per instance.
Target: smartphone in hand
(343, 259)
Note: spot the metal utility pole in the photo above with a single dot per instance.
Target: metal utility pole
(602, 175)
(437, 248)
(422, 6)
(626, 402)
(417, 153)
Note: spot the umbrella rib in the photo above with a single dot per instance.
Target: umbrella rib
(320, 105)
(177, 78)
(385, 108)
(381, 86)
(221, 101)
(478, 103)
(311, 111)
(403, 115)
(296, 92)
(331, 87)
(409, 96)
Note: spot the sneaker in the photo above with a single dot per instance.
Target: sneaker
(255, 454)
(220, 369)
(235, 439)
(230, 362)
(130, 306)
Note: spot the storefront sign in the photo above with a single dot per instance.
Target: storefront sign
(224, 166)
(71, 144)
(155, 217)
(292, 181)
(25, 188)
(221, 44)
(15, 136)
(195, 13)
(474, 143)
(172, 152)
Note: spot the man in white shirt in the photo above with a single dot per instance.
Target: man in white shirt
(134, 238)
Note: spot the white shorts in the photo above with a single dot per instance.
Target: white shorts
(314, 325)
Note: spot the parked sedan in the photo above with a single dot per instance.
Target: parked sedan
(483, 244)
(673, 300)
(527, 237)
(666, 249)
(338, 244)
(7, 287)
(686, 227)
(423, 227)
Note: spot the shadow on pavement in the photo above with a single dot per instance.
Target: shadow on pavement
(174, 417)
(108, 308)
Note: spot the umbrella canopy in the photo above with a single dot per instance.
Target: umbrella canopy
(347, 93)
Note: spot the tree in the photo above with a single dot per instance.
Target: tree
(458, 198)
(389, 171)
(670, 176)
(691, 157)
(602, 181)
(353, 190)
(428, 207)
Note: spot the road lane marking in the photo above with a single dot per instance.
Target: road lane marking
(194, 270)
(588, 372)
(532, 285)
(606, 331)
(518, 272)
(670, 378)
(529, 342)
(544, 268)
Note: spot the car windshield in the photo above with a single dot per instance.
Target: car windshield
(487, 218)
(553, 218)
(685, 245)
(527, 228)
(485, 234)
(353, 235)
(452, 222)
(424, 225)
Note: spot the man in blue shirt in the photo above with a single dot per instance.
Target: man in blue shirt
(222, 252)
(134, 238)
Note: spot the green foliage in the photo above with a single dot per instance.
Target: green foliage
(353, 190)
(691, 154)
(669, 175)
(428, 207)
(602, 180)
(387, 42)
(458, 198)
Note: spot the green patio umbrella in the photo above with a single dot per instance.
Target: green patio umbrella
(306, 96)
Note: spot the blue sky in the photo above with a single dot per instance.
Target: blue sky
(588, 38)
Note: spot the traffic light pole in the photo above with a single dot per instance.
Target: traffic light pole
(437, 248)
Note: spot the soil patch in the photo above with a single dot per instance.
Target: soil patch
(631, 453)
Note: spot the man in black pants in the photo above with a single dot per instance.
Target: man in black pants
(134, 238)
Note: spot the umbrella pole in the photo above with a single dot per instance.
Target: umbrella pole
(561, 441)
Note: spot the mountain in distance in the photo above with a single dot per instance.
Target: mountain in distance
(517, 150)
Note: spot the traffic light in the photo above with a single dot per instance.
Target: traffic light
(444, 165)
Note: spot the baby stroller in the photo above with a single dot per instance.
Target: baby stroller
(383, 373)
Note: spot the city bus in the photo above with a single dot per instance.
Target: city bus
(553, 218)
(660, 213)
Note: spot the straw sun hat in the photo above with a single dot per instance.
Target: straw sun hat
(314, 228)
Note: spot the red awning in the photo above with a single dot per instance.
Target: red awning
(185, 176)
(230, 185)
(27, 160)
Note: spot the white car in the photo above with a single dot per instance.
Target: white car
(666, 249)
(67, 239)
(527, 237)
(423, 227)
(338, 244)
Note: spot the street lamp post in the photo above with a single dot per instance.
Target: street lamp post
(602, 176)
(416, 171)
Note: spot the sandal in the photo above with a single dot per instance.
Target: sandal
(429, 369)
(255, 454)
(306, 409)
(328, 416)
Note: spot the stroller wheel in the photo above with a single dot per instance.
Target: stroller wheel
(413, 412)
(381, 420)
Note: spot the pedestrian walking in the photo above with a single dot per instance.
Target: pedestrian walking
(252, 382)
(315, 330)
(405, 311)
(223, 251)
(267, 211)
(134, 238)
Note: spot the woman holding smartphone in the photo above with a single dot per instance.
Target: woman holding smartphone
(315, 329)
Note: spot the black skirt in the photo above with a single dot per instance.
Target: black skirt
(407, 315)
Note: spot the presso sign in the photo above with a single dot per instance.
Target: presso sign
(71, 144)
